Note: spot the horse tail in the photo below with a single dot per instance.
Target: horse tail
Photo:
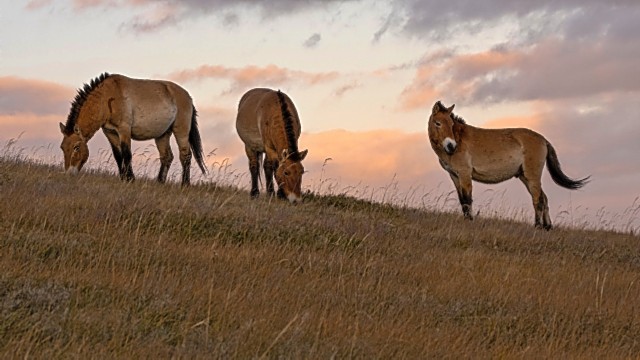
(195, 142)
(553, 165)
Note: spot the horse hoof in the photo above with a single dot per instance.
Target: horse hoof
(254, 194)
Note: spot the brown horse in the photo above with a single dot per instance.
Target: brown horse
(491, 156)
(268, 124)
(126, 109)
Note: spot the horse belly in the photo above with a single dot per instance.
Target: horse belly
(150, 123)
(497, 172)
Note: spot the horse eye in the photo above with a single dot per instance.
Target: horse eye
(286, 173)
(438, 124)
(76, 148)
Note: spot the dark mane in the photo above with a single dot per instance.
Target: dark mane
(81, 97)
(455, 117)
(292, 142)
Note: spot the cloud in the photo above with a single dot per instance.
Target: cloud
(551, 69)
(372, 158)
(531, 122)
(554, 50)
(25, 96)
(601, 139)
(31, 126)
(252, 76)
(532, 19)
(37, 4)
(388, 23)
(157, 14)
(312, 41)
(340, 91)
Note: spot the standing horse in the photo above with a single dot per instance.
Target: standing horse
(268, 124)
(491, 156)
(127, 109)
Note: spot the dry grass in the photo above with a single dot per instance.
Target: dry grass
(93, 267)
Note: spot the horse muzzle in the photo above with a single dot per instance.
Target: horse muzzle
(72, 170)
(294, 199)
(449, 146)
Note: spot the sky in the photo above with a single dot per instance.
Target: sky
(364, 76)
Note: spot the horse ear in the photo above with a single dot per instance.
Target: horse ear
(284, 155)
(303, 154)
(450, 109)
(62, 128)
(76, 130)
(436, 108)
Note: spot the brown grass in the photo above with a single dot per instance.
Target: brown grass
(93, 267)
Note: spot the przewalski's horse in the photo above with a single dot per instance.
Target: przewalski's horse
(491, 156)
(268, 124)
(126, 109)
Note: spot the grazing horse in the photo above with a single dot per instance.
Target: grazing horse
(126, 109)
(491, 156)
(268, 124)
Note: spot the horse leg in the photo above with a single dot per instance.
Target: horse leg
(546, 224)
(127, 169)
(114, 141)
(270, 166)
(463, 188)
(254, 170)
(185, 158)
(166, 155)
(540, 202)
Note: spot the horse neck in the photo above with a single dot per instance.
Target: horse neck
(92, 116)
(286, 142)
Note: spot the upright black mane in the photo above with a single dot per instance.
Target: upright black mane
(455, 117)
(292, 141)
(81, 97)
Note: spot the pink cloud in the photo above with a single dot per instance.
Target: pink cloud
(86, 4)
(529, 122)
(37, 4)
(31, 126)
(421, 91)
(373, 158)
(252, 76)
(19, 95)
(549, 70)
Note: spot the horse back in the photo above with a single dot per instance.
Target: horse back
(151, 107)
(260, 119)
(496, 155)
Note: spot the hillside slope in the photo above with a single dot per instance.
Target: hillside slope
(91, 266)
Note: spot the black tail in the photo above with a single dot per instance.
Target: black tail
(195, 142)
(556, 172)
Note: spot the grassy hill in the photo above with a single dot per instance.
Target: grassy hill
(93, 267)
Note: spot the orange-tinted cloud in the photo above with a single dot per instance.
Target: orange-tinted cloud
(455, 77)
(372, 158)
(550, 70)
(31, 126)
(529, 122)
(37, 4)
(26, 96)
(252, 76)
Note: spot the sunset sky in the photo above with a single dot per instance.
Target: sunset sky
(364, 76)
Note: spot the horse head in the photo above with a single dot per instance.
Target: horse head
(75, 150)
(444, 129)
(289, 175)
